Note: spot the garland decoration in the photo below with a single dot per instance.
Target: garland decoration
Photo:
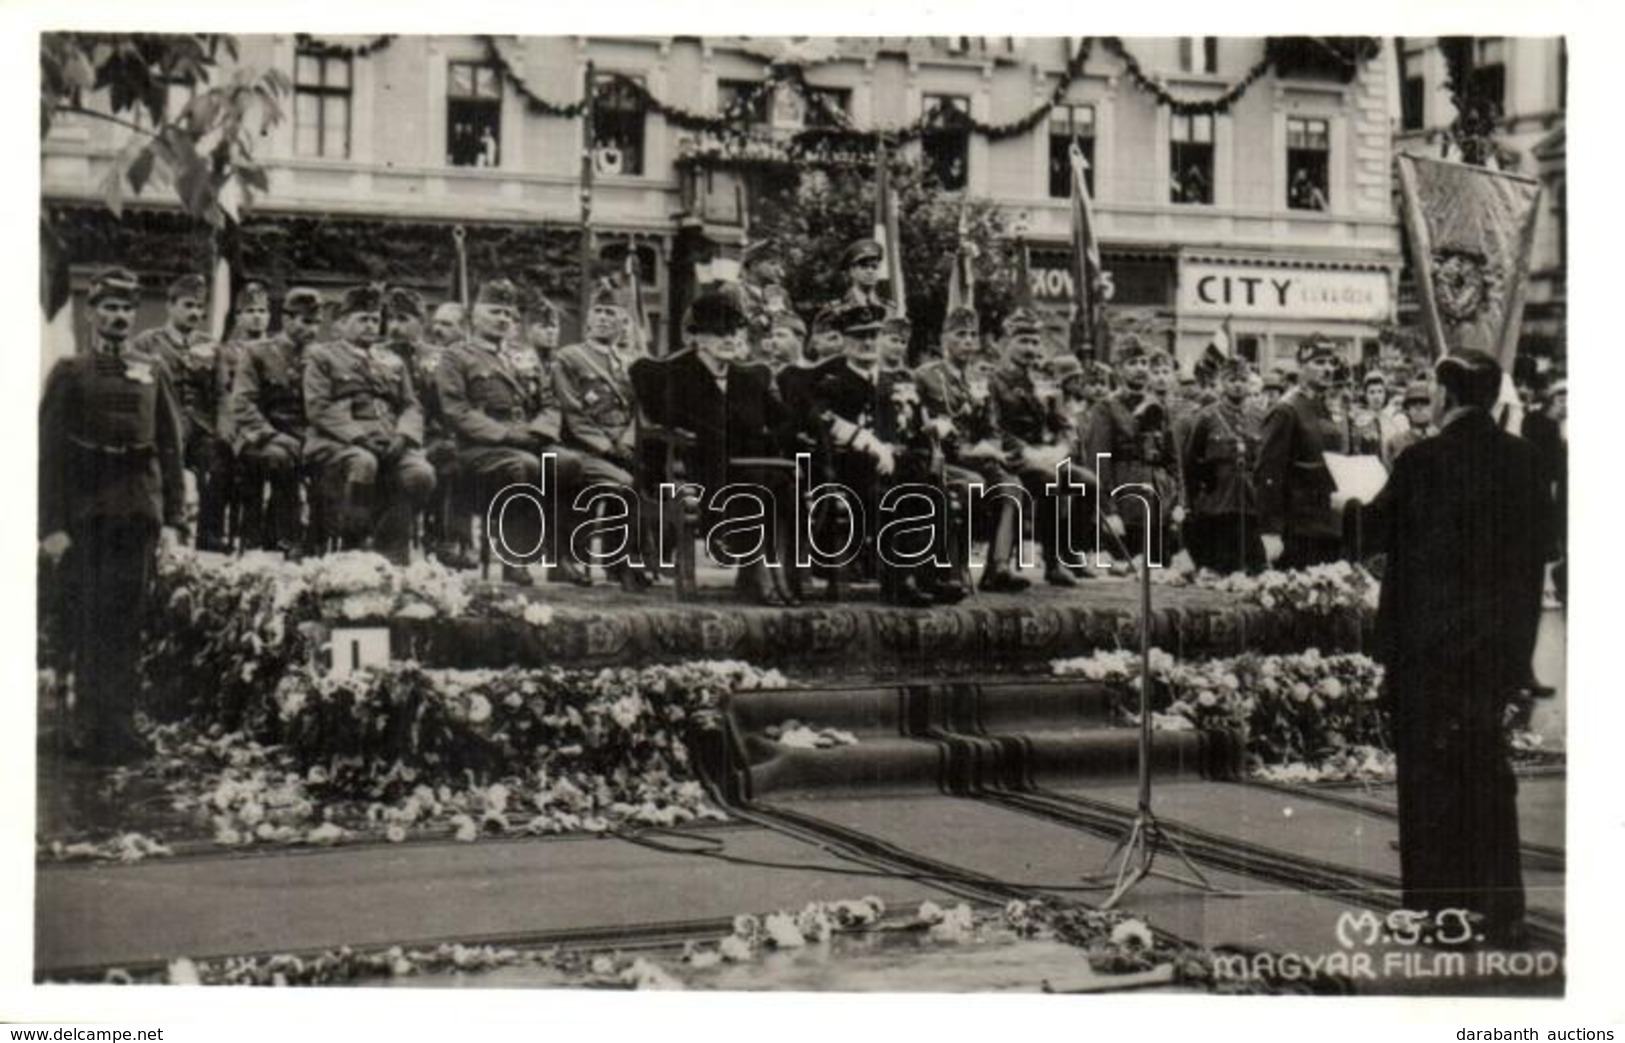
(309, 44)
(1180, 106)
(533, 101)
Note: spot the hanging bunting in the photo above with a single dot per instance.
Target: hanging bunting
(311, 45)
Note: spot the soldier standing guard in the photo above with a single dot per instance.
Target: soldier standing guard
(366, 432)
(268, 410)
(1295, 487)
(245, 510)
(1219, 457)
(110, 477)
(192, 364)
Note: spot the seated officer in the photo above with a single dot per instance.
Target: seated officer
(740, 434)
(597, 404)
(876, 430)
(973, 446)
(782, 345)
(268, 409)
(366, 432)
(1035, 439)
(501, 425)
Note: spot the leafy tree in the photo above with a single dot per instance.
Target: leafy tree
(204, 151)
(807, 223)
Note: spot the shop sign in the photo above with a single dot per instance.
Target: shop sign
(1284, 293)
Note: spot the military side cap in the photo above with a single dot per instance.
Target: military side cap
(718, 310)
(500, 293)
(1374, 377)
(827, 320)
(898, 325)
(1128, 348)
(1419, 392)
(788, 320)
(1158, 357)
(1022, 321)
(253, 295)
(861, 250)
(860, 318)
(119, 284)
(367, 298)
(607, 295)
(404, 302)
(1274, 380)
(543, 313)
(303, 301)
(1314, 348)
(1064, 367)
(1469, 361)
(1232, 369)
(1098, 372)
(962, 319)
(194, 286)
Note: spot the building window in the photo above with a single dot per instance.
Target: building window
(1412, 99)
(828, 106)
(1198, 54)
(617, 124)
(946, 141)
(1069, 123)
(321, 105)
(1308, 151)
(1488, 79)
(1190, 159)
(474, 115)
(759, 112)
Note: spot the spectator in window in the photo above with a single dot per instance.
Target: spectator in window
(1304, 194)
(488, 148)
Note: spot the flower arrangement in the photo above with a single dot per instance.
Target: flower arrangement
(1306, 708)
(1319, 590)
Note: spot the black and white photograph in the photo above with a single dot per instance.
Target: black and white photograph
(956, 515)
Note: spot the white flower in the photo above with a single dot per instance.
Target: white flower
(183, 971)
(782, 931)
(396, 833)
(467, 830)
(1132, 934)
(1331, 688)
(479, 709)
(1207, 700)
(929, 912)
(734, 949)
(326, 833)
(538, 615)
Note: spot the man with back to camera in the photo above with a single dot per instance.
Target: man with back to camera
(1456, 629)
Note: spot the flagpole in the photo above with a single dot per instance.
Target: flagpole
(586, 260)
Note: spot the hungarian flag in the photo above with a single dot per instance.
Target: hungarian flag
(886, 233)
(1471, 231)
(1088, 284)
(1024, 272)
(634, 292)
(962, 279)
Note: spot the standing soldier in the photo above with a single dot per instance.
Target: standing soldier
(497, 415)
(251, 323)
(192, 364)
(862, 263)
(1418, 405)
(974, 451)
(110, 477)
(1223, 444)
(596, 401)
(268, 411)
(1132, 425)
(1300, 526)
(366, 432)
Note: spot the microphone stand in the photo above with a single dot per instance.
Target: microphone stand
(1135, 855)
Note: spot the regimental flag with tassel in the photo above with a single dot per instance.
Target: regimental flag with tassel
(886, 230)
(1471, 233)
(962, 278)
(1088, 281)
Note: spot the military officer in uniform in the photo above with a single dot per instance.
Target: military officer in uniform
(863, 263)
(1418, 416)
(782, 345)
(1300, 526)
(245, 512)
(974, 448)
(365, 441)
(449, 325)
(497, 415)
(827, 340)
(1223, 445)
(1132, 425)
(268, 410)
(192, 362)
(1035, 441)
(894, 336)
(110, 477)
(598, 408)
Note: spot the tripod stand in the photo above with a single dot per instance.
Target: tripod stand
(1135, 855)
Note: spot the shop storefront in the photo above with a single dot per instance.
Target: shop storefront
(1271, 304)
